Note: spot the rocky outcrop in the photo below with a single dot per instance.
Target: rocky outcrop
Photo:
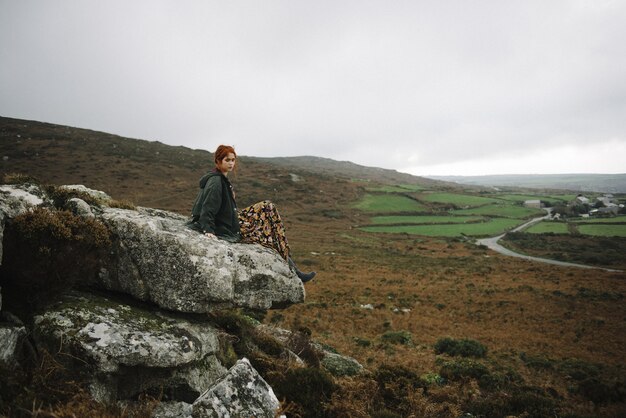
(241, 393)
(141, 322)
(128, 349)
(156, 258)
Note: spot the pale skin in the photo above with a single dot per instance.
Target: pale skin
(225, 166)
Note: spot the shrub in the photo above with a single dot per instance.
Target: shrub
(310, 389)
(463, 368)
(394, 384)
(122, 204)
(47, 252)
(578, 369)
(537, 362)
(463, 347)
(19, 178)
(523, 401)
(600, 392)
(397, 337)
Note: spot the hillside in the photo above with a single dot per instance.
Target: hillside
(554, 337)
(607, 183)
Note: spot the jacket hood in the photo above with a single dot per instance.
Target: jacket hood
(207, 176)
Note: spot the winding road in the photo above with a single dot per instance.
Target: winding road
(492, 243)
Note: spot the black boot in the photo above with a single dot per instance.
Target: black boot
(305, 277)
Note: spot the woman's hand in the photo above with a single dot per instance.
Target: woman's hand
(209, 235)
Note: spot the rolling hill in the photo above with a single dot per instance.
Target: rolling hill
(606, 183)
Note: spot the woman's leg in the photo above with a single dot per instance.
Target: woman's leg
(261, 224)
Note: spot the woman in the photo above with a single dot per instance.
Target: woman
(215, 213)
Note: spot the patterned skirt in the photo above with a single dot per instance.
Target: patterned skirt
(261, 224)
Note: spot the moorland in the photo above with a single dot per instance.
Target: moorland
(445, 327)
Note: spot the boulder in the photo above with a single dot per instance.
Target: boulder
(11, 339)
(100, 196)
(241, 393)
(124, 350)
(79, 207)
(172, 410)
(157, 258)
(339, 365)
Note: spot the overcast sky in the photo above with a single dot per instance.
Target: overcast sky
(426, 87)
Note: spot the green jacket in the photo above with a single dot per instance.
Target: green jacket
(215, 210)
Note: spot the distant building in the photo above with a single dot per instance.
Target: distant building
(609, 210)
(581, 200)
(607, 199)
(533, 204)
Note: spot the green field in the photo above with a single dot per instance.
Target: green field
(483, 215)
(417, 220)
(388, 203)
(547, 226)
(603, 230)
(457, 199)
(611, 220)
(493, 227)
(504, 210)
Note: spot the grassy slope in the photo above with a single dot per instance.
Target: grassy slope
(446, 288)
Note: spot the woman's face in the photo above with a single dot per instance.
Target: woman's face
(227, 164)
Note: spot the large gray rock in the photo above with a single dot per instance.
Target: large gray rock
(172, 410)
(11, 338)
(15, 200)
(126, 350)
(156, 258)
(79, 207)
(100, 196)
(241, 393)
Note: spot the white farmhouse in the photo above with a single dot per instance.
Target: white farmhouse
(533, 204)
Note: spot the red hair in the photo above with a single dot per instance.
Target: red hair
(222, 152)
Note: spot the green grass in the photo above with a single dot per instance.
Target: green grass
(493, 227)
(616, 219)
(546, 226)
(603, 230)
(507, 211)
(418, 220)
(457, 199)
(388, 203)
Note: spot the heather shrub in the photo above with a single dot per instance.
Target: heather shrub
(122, 204)
(523, 401)
(19, 178)
(397, 337)
(462, 347)
(394, 385)
(463, 368)
(307, 389)
(47, 252)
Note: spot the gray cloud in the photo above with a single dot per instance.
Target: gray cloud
(403, 84)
